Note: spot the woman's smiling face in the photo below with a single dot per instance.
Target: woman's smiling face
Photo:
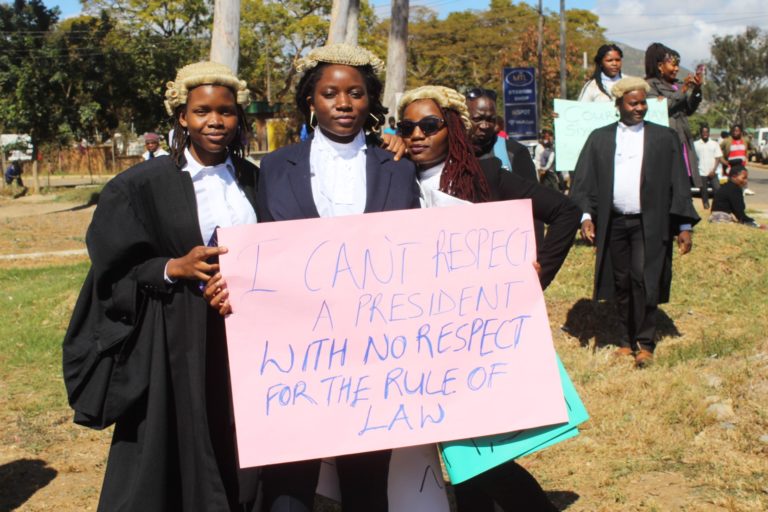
(210, 117)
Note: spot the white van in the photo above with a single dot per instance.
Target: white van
(761, 143)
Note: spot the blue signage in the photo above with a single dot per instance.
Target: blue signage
(520, 102)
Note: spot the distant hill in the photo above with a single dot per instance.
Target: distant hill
(634, 62)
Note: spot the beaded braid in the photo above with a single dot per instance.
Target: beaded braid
(462, 176)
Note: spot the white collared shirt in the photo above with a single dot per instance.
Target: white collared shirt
(628, 164)
(609, 82)
(709, 154)
(429, 179)
(627, 172)
(338, 175)
(220, 201)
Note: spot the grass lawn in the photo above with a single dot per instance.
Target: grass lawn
(653, 441)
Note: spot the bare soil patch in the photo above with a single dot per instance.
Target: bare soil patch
(34, 224)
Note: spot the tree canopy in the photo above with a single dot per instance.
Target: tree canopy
(738, 78)
(84, 77)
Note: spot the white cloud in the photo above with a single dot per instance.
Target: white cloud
(685, 26)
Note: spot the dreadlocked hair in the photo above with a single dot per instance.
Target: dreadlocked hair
(373, 87)
(180, 139)
(462, 176)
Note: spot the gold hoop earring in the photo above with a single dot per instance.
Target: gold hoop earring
(312, 119)
(376, 122)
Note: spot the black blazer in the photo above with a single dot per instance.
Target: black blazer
(550, 207)
(665, 203)
(285, 190)
(522, 163)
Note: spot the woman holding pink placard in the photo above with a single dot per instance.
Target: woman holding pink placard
(434, 122)
(341, 170)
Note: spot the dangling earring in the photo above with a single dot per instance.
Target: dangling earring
(376, 122)
(312, 120)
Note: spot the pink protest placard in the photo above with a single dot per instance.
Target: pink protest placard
(385, 330)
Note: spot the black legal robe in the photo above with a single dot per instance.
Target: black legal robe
(549, 207)
(150, 357)
(665, 203)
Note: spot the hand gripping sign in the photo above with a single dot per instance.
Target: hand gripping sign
(384, 330)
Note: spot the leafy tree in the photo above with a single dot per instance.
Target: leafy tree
(272, 35)
(28, 64)
(738, 77)
(470, 48)
(168, 18)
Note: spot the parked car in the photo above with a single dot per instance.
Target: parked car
(761, 143)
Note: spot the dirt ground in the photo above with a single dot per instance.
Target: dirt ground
(41, 224)
(64, 475)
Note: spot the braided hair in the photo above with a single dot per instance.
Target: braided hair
(373, 87)
(180, 139)
(462, 175)
(656, 54)
(599, 56)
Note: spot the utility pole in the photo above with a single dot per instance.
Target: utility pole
(563, 71)
(397, 55)
(225, 39)
(339, 18)
(540, 77)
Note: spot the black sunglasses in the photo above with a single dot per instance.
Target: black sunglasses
(428, 125)
(478, 92)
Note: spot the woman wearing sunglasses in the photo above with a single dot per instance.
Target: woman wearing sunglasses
(434, 124)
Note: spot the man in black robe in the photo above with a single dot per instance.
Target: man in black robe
(631, 181)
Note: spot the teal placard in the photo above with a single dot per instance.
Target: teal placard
(470, 457)
(575, 121)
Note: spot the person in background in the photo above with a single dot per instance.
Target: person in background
(434, 122)
(487, 143)
(392, 128)
(661, 67)
(544, 159)
(607, 72)
(13, 173)
(485, 137)
(637, 215)
(709, 155)
(735, 148)
(729, 200)
(143, 350)
(152, 146)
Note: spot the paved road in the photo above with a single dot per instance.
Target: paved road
(758, 183)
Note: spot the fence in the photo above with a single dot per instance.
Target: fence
(91, 160)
